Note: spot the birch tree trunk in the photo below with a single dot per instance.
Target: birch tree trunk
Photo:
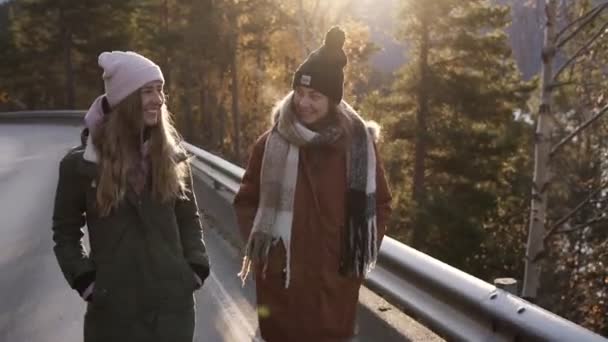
(542, 148)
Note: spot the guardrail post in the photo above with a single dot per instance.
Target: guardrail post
(507, 284)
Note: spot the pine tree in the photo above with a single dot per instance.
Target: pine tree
(455, 132)
(55, 47)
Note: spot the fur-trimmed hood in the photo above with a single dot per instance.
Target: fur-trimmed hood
(90, 153)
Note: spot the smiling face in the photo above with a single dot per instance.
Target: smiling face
(311, 106)
(152, 102)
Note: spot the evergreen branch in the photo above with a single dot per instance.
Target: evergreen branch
(570, 136)
(580, 51)
(561, 84)
(587, 17)
(448, 61)
(570, 83)
(573, 212)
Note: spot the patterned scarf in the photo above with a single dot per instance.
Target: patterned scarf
(279, 173)
(138, 174)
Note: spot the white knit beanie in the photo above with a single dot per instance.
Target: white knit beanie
(125, 72)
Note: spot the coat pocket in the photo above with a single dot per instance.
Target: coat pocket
(115, 293)
(277, 261)
(189, 278)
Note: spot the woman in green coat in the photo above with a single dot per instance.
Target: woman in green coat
(131, 185)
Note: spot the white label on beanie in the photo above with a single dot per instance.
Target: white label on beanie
(305, 80)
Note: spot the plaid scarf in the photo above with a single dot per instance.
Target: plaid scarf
(279, 173)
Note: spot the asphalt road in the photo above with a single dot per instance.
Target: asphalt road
(37, 305)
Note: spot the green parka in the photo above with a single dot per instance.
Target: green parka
(143, 257)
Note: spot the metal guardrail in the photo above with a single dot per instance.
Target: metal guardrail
(223, 173)
(450, 302)
(43, 115)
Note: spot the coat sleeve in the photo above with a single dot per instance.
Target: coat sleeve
(68, 223)
(383, 199)
(191, 230)
(247, 198)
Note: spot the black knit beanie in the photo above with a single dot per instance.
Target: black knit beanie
(323, 69)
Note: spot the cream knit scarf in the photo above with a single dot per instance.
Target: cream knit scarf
(279, 173)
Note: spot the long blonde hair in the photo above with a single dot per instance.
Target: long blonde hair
(118, 142)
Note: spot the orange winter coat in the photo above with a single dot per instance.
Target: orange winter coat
(320, 304)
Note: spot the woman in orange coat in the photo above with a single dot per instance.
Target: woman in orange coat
(313, 206)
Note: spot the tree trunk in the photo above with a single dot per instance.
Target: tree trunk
(542, 147)
(235, 103)
(221, 117)
(188, 119)
(259, 79)
(418, 186)
(206, 111)
(164, 24)
(186, 110)
(66, 37)
(208, 119)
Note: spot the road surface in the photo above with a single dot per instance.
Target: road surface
(36, 303)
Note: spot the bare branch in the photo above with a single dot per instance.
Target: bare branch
(342, 11)
(556, 122)
(315, 9)
(587, 18)
(314, 14)
(593, 221)
(573, 212)
(565, 140)
(301, 30)
(565, 8)
(580, 51)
